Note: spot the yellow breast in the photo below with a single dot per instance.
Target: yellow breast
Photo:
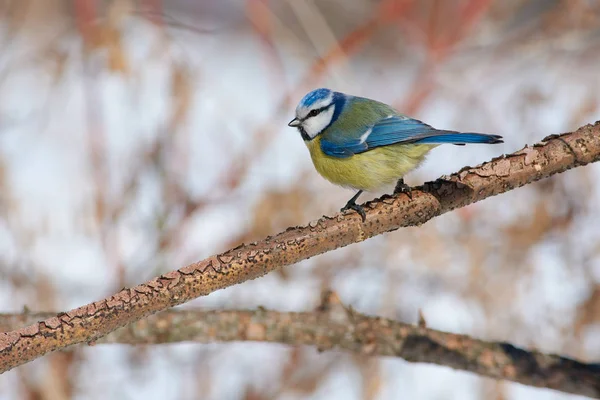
(370, 170)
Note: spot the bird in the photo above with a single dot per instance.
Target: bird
(366, 145)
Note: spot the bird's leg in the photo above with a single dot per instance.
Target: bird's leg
(351, 205)
(402, 187)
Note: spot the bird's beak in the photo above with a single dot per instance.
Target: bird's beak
(295, 122)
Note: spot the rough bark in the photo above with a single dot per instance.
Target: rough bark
(337, 328)
(248, 261)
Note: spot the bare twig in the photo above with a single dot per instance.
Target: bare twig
(332, 326)
(93, 321)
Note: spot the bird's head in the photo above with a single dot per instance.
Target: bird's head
(316, 111)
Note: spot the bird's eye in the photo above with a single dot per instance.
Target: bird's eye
(313, 113)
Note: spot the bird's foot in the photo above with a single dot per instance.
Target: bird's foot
(351, 205)
(402, 187)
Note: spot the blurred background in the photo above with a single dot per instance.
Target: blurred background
(139, 136)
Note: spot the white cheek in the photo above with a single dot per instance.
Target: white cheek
(314, 125)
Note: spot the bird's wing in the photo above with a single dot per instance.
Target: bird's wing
(397, 129)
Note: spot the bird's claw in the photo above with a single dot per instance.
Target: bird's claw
(356, 207)
(402, 187)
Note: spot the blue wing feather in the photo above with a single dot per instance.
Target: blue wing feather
(460, 138)
(398, 130)
(343, 150)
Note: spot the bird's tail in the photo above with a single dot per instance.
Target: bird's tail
(459, 138)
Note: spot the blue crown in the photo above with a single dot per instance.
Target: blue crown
(314, 96)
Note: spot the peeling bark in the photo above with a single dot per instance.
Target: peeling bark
(338, 328)
(555, 154)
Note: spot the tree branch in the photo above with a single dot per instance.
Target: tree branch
(93, 321)
(336, 327)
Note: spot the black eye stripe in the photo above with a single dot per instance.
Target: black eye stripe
(316, 111)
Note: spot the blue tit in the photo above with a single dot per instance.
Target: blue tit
(365, 145)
